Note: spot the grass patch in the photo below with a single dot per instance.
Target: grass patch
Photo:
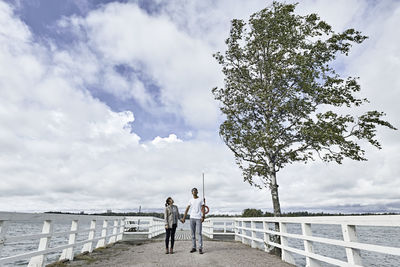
(62, 263)
(84, 257)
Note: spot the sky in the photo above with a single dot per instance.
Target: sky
(108, 105)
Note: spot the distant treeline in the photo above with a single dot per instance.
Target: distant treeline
(245, 213)
(259, 213)
(148, 214)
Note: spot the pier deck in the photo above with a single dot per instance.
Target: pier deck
(152, 253)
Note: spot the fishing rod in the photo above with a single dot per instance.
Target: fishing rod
(205, 209)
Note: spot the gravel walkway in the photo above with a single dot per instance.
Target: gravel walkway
(153, 254)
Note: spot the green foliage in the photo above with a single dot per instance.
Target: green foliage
(310, 214)
(252, 213)
(268, 214)
(281, 93)
(221, 215)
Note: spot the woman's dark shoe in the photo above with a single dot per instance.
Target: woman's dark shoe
(171, 251)
(167, 252)
(193, 250)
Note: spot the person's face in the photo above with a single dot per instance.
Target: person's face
(170, 201)
(194, 192)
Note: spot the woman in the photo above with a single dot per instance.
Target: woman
(171, 216)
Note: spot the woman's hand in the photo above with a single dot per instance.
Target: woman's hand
(166, 226)
(182, 220)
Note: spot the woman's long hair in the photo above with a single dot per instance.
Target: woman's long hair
(166, 201)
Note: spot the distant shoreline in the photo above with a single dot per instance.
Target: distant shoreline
(266, 214)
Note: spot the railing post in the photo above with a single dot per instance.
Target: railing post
(350, 235)
(102, 241)
(68, 253)
(150, 228)
(242, 223)
(308, 245)
(236, 225)
(114, 232)
(286, 255)
(157, 227)
(38, 261)
(253, 234)
(224, 226)
(266, 236)
(92, 231)
(211, 229)
(206, 228)
(3, 231)
(121, 230)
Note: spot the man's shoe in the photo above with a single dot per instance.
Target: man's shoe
(200, 251)
(193, 250)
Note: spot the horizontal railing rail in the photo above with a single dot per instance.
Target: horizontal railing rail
(107, 234)
(257, 233)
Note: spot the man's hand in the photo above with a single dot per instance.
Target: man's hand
(202, 219)
(166, 226)
(184, 215)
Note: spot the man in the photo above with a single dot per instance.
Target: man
(196, 219)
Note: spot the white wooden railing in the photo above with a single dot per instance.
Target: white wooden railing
(256, 232)
(99, 231)
(149, 226)
(219, 226)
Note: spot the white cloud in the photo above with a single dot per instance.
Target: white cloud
(340, 14)
(183, 67)
(376, 62)
(159, 141)
(63, 149)
(16, 31)
(60, 148)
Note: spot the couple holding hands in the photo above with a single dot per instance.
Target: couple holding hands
(197, 216)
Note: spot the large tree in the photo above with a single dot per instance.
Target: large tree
(283, 100)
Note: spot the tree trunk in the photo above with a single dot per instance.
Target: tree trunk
(277, 211)
(275, 195)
